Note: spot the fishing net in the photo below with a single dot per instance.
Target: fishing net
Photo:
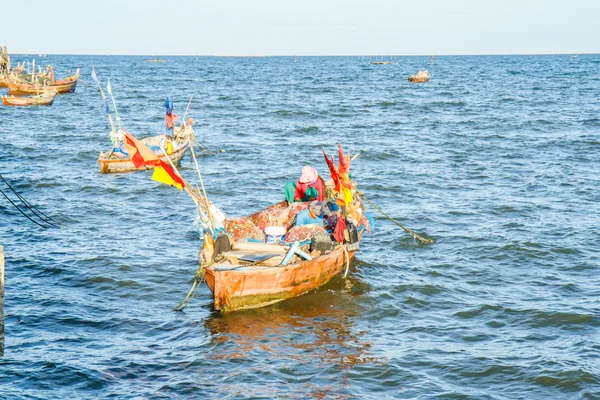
(303, 232)
(240, 228)
(278, 216)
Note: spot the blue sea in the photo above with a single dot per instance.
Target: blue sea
(497, 159)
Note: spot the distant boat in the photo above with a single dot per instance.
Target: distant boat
(117, 160)
(574, 56)
(66, 85)
(44, 99)
(421, 76)
(156, 60)
(431, 59)
(381, 62)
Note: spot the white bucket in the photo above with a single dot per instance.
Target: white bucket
(275, 234)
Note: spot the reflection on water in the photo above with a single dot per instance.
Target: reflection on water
(304, 334)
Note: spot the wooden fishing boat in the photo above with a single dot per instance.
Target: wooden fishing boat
(66, 85)
(421, 76)
(44, 99)
(237, 284)
(118, 161)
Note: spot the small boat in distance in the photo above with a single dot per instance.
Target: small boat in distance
(421, 76)
(44, 99)
(156, 60)
(381, 62)
(117, 159)
(66, 85)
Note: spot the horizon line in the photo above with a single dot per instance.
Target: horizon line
(301, 55)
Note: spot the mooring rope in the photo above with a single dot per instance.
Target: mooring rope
(422, 239)
(198, 279)
(347, 260)
(48, 220)
(36, 211)
(21, 211)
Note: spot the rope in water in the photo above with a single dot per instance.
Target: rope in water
(31, 207)
(198, 279)
(49, 221)
(21, 211)
(422, 239)
(347, 260)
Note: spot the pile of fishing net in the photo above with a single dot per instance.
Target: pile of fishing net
(278, 216)
(243, 228)
(302, 233)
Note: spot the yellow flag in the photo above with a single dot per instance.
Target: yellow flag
(160, 175)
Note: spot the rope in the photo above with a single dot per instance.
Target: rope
(21, 211)
(347, 259)
(198, 279)
(31, 207)
(423, 240)
(185, 302)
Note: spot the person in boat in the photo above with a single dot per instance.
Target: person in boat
(312, 215)
(310, 186)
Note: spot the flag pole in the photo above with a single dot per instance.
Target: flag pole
(185, 113)
(112, 124)
(202, 184)
(186, 187)
(109, 90)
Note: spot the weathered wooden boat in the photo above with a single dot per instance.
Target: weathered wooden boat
(66, 85)
(44, 99)
(421, 76)
(117, 160)
(240, 282)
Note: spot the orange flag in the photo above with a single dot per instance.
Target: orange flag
(139, 153)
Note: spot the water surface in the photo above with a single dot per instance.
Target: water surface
(496, 158)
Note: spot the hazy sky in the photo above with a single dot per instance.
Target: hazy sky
(303, 27)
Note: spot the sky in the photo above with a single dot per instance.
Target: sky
(302, 27)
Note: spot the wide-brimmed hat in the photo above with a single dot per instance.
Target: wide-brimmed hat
(317, 207)
(309, 175)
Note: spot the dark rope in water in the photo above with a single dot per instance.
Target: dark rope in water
(48, 220)
(21, 211)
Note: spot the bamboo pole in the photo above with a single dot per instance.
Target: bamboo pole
(212, 221)
(1, 301)
(187, 189)
(184, 115)
(109, 90)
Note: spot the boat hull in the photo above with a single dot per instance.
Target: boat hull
(27, 101)
(251, 287)
(124, 164)
(66, 85)
(418, 79)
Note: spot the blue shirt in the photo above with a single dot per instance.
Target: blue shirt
(303, 218)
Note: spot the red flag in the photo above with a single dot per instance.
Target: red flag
(344, 162)
(340, 228)
(139, 153)
(332, 171)
(170, 120)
